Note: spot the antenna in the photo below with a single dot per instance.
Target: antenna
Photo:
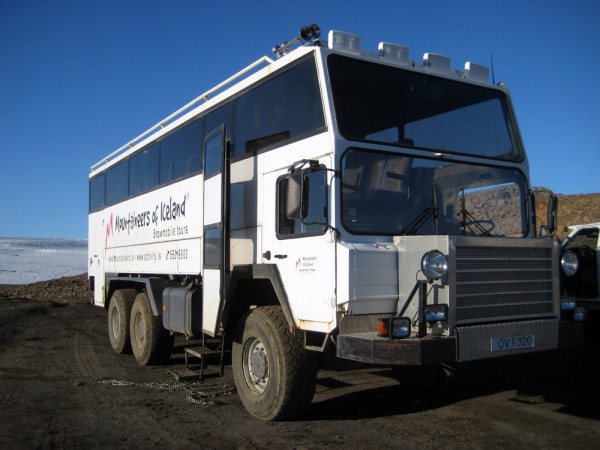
(492, 67)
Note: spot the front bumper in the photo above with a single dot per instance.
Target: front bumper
(469, 343)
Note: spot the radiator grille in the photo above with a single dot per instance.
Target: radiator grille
(500, 283)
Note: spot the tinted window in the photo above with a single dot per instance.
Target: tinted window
(286, 106)
(214, 153)
(181, 153)
(143, 170)
(117, 183)
(379, 103)
(97, 192)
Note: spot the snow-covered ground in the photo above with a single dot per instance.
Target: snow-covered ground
(27, 260)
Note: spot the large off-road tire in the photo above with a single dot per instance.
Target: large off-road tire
(274, 375)
(150, 342)
(119, 311)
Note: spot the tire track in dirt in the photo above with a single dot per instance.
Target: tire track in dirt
(85, 358)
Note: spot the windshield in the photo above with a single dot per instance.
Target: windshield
(388, 105)
(391, 194)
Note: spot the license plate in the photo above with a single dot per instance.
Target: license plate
(501, 344)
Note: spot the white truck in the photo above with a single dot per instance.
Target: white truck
(332, 199)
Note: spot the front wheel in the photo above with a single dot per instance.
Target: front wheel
(274, 375)
(150, 342)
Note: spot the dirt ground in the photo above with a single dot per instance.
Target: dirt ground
(61, 385)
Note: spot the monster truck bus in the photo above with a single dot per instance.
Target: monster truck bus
(329, 199)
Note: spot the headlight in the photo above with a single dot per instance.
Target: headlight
(434, 265)
(579, 314)
(436, 313)
(569, 263)
(567, 303)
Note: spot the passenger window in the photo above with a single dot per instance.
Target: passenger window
(143, 170)
(117, 183)
(284, 107)
(181, 153)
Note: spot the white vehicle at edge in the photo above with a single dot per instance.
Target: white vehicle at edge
(580, 266)
(334, 200)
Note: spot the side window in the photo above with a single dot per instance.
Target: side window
(117, 183)
(281, 108)
(213, 153)
(181, 153)
(97, 186)
(143, 170)
(314, 205)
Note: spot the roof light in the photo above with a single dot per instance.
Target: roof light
(347, 42)
(310, 32)
(307, 34)
(476, 72)
(394, 52)
(437, 63)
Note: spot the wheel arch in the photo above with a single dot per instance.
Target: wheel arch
(254, 285)
(154, 286)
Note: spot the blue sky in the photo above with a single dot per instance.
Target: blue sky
(79, 78)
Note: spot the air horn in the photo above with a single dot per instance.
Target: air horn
(307, 34)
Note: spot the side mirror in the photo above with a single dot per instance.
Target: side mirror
(294, 204)
(546, 209)
(552, 214)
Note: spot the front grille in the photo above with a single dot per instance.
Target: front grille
(503, 283)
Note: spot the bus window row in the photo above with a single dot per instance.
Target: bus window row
(285, 106)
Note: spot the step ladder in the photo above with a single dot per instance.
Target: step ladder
(201, 351)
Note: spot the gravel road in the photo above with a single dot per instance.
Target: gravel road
(61, 385)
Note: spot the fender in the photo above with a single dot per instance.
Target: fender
(236, 302)
(154, 287)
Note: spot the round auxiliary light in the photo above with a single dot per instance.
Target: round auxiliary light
(569, 263)
(434, 265)
(309, 32)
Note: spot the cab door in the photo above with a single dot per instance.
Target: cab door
(215, 228)
(303, 250)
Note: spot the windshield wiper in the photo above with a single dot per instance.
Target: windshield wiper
(423, 216)
(468, 220)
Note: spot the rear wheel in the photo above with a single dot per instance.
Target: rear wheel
(274, 375)
(150, 342)
(119, 311)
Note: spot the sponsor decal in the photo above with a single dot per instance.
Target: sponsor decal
(306, 264)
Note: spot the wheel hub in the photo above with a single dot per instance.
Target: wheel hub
(140, 330)
(258, 366)
(116, 322)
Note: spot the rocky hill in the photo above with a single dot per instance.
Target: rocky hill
(575, 210)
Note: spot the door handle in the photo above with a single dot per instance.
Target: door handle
(280, 256)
